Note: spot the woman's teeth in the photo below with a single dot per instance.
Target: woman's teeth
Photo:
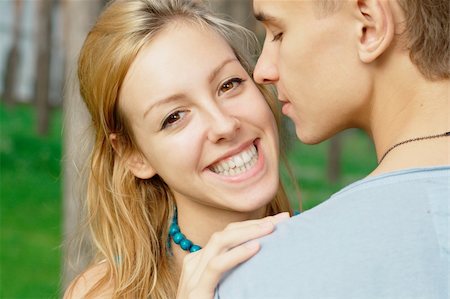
(237, 164)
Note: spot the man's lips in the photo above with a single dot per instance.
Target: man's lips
(283, 100)
(285, 107)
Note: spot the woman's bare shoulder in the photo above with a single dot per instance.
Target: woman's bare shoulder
(87, 280)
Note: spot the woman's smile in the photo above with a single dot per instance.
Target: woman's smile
(238, 163)
(239, 167)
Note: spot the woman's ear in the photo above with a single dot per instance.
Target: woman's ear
(136, 163)
(376, 31)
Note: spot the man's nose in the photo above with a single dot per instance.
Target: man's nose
(266, 69)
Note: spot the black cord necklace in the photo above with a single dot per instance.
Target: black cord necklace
(446, 134)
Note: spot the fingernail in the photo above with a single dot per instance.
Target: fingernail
(266, 225)
(251, 245)
(283, 215)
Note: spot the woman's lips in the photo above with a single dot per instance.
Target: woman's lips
(245, 171)
(238, 163)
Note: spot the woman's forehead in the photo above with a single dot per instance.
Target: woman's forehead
(177, 59)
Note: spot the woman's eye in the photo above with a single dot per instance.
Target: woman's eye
(278, 37)
(173, 118)
(229, 85)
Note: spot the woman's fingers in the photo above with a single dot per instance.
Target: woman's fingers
(215, 254)
(228, 260)
(220, 264)
(236, 234)
(274, 219)
(225, 250)
(229, 238)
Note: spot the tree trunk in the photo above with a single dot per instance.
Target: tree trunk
(13, 57)
(334, 159)
(44, 44)
(78, 16)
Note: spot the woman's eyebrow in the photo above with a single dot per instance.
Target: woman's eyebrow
(167, 100)
(217, 70)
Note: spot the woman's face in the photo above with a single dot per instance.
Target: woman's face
(200, 122)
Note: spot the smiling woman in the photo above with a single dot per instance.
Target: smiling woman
(184, 141)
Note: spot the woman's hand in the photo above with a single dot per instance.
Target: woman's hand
(225, 250)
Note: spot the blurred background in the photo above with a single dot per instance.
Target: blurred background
(39, 42)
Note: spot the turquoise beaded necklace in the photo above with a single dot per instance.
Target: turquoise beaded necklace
(180, 239)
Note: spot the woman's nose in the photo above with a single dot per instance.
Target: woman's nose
(223, 126)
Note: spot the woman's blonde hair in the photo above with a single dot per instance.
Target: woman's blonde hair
(129, 217)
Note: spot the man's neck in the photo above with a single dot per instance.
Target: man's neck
(406, 106)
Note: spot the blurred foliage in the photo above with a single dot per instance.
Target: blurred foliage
(30, 214)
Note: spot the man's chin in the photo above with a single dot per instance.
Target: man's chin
(307, 137)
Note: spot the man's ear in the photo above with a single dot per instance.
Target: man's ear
(136, 163)
(376, 31)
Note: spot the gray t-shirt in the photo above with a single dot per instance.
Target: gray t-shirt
(381, 237)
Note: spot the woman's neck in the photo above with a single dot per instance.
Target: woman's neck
(198, 222)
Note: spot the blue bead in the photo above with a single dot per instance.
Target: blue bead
(174, 228)
(178, 237)
(195, 248)
(185, 244)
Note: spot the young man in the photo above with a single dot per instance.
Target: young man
(382, 66)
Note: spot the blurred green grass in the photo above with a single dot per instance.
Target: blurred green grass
(30, 195)
(30, 214)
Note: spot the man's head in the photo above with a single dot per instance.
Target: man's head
(328, 58)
